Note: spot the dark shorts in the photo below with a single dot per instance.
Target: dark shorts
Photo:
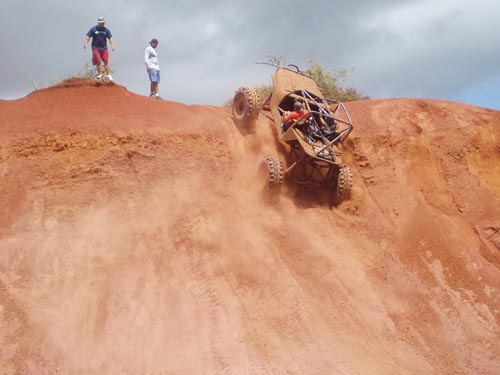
(154, 75)
(98, 55)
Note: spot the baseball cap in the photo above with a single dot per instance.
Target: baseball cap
(154, 40)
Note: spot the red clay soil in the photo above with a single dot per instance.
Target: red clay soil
(136, 238)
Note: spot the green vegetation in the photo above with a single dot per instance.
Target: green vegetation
(329, 84)
(89, 71)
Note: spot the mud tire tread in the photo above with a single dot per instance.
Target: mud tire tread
(246, 106)
(344, 184)
(275, 172)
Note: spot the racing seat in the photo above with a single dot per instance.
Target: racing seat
(313, 130)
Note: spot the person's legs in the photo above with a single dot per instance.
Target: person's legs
(154, 88)
(152, 84)
(157, 82)
(96, 60)
(154, 77)
(105, 59)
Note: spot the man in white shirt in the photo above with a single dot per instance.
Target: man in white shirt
(151, 60)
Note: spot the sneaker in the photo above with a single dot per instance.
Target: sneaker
(152, 95)
(157, 96)
(99, 76)
(109, 77)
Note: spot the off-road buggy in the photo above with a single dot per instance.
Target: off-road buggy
(314, 141)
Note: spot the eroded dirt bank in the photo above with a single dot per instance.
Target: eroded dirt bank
(135, 239)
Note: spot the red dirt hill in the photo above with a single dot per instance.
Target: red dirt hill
(135, 239)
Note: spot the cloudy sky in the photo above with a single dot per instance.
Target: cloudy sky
(442, 49)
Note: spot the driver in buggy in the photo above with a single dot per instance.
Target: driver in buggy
(290, 117)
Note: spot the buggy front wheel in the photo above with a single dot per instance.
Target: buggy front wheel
(246, 106)
(343, 186)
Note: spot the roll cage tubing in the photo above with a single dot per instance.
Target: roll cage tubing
(326, 112)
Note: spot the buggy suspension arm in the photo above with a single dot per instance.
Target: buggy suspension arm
(294, 164)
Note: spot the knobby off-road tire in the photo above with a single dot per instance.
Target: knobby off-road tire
(344, 185)
(275, 172)
(246, 106)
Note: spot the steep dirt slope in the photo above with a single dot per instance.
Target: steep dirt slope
(135, 238)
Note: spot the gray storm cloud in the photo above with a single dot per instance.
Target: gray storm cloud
(437, 49)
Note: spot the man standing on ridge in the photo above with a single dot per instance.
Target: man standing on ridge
(100, 35)
(153, 68)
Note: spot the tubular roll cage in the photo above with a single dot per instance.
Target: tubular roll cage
(338, 115)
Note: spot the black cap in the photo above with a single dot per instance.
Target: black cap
(154, 40)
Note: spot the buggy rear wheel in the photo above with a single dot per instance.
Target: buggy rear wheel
(343, 187)
(275, 172)
(246, 106)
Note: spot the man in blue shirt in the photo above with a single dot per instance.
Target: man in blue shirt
(100, 35)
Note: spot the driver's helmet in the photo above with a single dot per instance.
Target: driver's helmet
(329, 120)
(298, 106)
